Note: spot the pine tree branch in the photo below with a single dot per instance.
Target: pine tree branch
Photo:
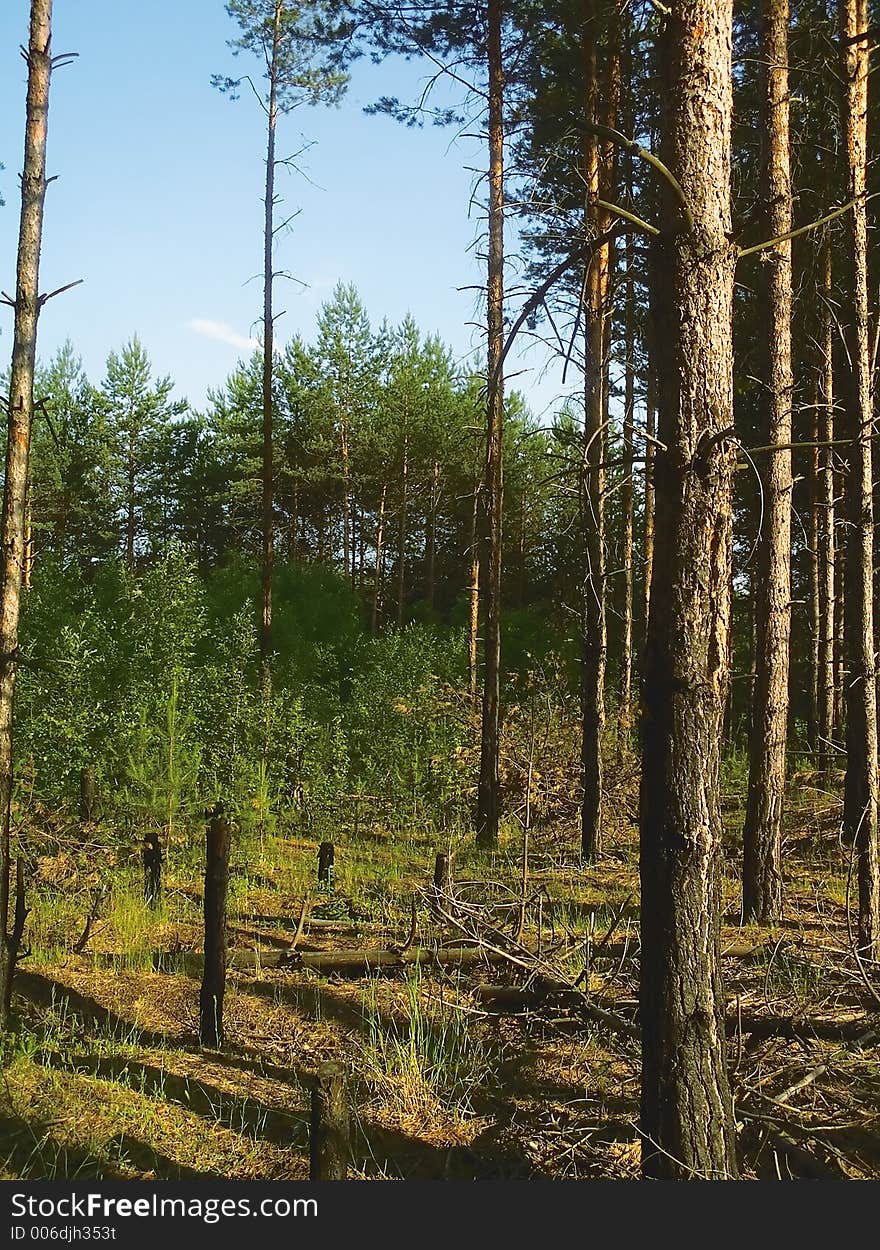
(627, 216)
(630, 145)
(793, 234)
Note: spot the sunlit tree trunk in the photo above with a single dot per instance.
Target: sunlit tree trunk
(401, 527)
(20, 419)
(860, 789)
(268, 535)
(627, 497)
(825, 520)
(762, 833)
(380, 560)
(686, 1113)
(489, 784)
(592, 475)
(474, 599)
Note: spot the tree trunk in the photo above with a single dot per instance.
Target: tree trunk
(268, 555)
(686, 1113)
(648, 536)
(489, 782)
(130, 512)
(431, 536)
(825, 522)
(347, 552)
(624, 721)
(401, 530)
(380, 558)
(592, 478)
(218, 837)
(762, 833)
(474, 600)
(20, 418)
(329, 1131)
(860, 790)
(813, 570)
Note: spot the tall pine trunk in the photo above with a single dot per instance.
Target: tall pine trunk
(474, 598)
(686, 1112)
(627, 497)
(762, 833)
(380, 561)
(20, 418)
(489, 781)
(267, 474)
(824, 503)
(592, 475)
(860, 789)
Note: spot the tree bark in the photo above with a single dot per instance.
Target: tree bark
(380, 560)
(592, 479)
(762, 833)
(686, 1111)
(268, 536)
(20, 419)
(860, 789)
(489, 782)
(825, 521)
(329, 1145)
(218, 838)
(401, 530)
(627, 499)
(474, 600)
(431, 536)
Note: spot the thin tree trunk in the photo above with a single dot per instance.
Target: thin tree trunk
(20, 417)
(825, 522)
(474, 600)
(347, 552)
(268, 556)
(431, 536)
(627, 497)
(28, 565)
(489, 783)
(813, 570)
(380, 558)
(593, 627)
(686, 1111)
(130, 514)
(401, 531)
(762, 833)
(860, 790)
(648, 538)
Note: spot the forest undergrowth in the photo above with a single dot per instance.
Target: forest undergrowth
(521, 1063)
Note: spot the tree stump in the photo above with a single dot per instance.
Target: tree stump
(326, 856)
(218, 837)
(329, 1143)
(152, 867)
(442, 873)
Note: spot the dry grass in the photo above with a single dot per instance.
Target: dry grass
(104, 1076)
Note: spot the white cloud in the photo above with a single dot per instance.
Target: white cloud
(222, 332)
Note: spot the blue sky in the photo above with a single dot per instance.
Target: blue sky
(158, 201)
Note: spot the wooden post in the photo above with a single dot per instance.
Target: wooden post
(218, 836)
(20, 918)
(326, 855)
(152, 867)
(87, 795)
(329, 1148)
(442, 874)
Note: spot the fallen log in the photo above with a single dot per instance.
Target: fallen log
(861, 1031)
(362, 963)
(545, 992)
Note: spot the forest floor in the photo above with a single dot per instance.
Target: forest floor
(104, 1076)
